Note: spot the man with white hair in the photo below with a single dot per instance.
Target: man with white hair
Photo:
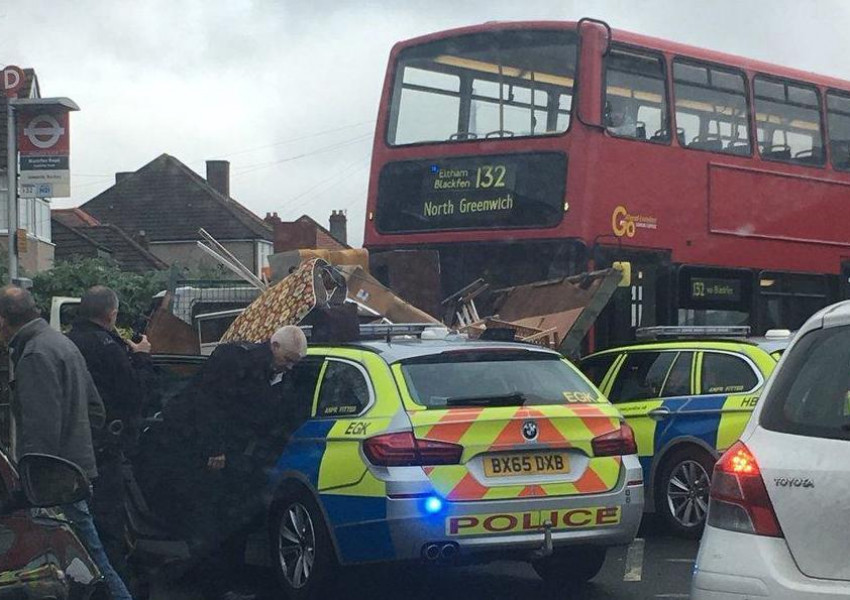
(239, 374)
(213, 454)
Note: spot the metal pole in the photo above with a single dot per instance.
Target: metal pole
(12, 184)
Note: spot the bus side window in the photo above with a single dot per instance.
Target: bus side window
(636, 96)
(789, 121)
(838, 122)
(711, 107)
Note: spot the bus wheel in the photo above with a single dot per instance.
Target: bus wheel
(302, 553)
(683, 489)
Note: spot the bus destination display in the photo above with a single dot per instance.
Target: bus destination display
(458, 188)
(713, 289)
(465, 193)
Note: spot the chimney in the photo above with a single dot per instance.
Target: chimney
(122, 175)
(272, 218)
(218, 176)
(339, 226)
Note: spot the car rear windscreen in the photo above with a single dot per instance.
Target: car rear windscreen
(811, 393)
(495, 379)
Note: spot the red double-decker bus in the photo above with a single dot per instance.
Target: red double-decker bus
(527, 151)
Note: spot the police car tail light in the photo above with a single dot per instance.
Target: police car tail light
(739, 500)
(616, 443)
(404, 450)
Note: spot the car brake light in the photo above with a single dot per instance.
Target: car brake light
(616, 443)
(739, 500)
(404, 450)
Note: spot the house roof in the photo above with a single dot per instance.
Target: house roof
(97, 240)
(73, 217)
(324, 239)
(170, 202)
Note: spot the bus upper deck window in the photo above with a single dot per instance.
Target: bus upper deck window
(838, 123)
(711, 108)
(788, 121)
(635, 96)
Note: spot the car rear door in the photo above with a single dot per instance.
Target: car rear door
(355, 399)
(802, 446)
(637, 390)
(695, 412)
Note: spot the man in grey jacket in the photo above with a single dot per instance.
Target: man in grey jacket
(56, 406)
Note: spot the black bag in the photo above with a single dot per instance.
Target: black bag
(334, 324)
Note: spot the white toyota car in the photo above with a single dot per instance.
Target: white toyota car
(779, 513)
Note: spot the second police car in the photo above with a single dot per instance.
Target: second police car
(450, 451)
(687, 399)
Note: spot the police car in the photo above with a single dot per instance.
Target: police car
(687, 399)
(446, 451)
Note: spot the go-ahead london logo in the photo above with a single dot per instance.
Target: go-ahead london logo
(625, 224)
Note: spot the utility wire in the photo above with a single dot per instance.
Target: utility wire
(259, 166)
(334, 181)
(296, 139)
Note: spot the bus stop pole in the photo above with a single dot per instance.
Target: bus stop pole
(12, 246)
(12, 185)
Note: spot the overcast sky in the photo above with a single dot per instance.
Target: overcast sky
(288, 90)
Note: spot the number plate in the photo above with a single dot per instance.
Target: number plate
(513, 465)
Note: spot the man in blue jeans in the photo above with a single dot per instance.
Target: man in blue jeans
(56, 405)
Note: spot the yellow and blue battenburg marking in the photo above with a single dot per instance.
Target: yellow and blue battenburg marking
(718, 420)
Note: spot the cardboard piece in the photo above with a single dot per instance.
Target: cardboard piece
(169, 334)
(365, 289)
(543, 312)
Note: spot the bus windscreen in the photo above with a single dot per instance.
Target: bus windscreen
(515, 83)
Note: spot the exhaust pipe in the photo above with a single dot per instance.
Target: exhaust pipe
(448, 551)
(431, 552)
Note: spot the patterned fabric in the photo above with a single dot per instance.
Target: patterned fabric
(286, 303)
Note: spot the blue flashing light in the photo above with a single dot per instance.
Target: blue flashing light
(433, 505)
(435, 168)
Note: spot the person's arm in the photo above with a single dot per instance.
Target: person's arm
(144, 372)
(96, 409)
(38, 392)
(126, 384)
(221, 382)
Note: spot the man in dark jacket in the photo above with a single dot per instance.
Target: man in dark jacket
(121, 370)
(217, 439)
(56, 405)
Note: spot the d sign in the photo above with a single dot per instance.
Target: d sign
(12, 79)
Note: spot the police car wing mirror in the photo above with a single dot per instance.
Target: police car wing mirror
(52, 481)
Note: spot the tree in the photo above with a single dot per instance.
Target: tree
(74, 277)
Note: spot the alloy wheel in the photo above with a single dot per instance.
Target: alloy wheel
(296, 545)
(687, 493)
